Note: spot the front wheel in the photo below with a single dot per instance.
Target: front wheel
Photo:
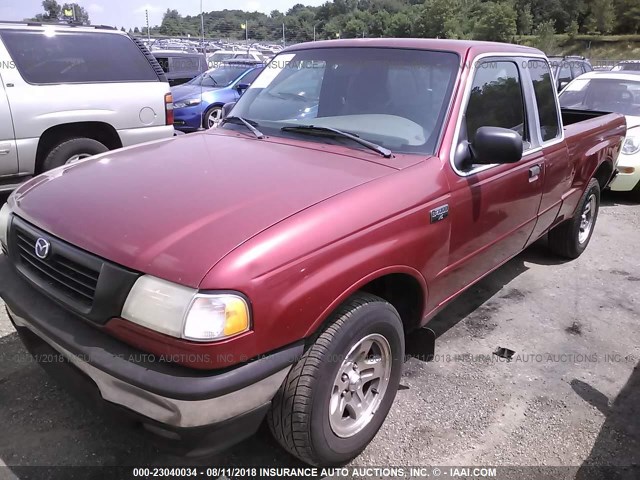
(212, 117)
(570, 239)
(337, 396)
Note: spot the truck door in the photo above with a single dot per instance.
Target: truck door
(8, 150)
(493, 208)
(558, 172)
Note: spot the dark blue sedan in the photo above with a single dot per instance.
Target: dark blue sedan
(198, 103)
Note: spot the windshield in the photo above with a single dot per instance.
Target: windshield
(603, 94)
(219, 76)
(396, 98)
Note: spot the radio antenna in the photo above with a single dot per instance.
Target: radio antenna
(204, 50)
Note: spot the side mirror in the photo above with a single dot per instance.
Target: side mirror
(496, 145)
(241, 87)
(226, 109)
(562, 85)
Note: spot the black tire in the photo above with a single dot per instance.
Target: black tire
(564, 239)
(299, 415)
(205, 117)
(61, 153)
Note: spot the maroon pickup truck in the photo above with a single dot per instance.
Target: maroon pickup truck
(272, 267)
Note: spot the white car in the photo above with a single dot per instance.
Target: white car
(67, 93)
(612, 92)
(220, 56)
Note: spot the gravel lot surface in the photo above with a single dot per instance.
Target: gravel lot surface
(570, 396)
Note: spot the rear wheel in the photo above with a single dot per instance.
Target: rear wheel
(337, 396)
(72, 150)
(570, 239)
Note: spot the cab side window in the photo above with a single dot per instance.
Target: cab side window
(496, 99)
(545, 99)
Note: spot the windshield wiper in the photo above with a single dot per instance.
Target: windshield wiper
(312, 129)
(247, 123)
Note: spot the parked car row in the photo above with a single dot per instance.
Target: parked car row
(198, 103)
(180, 67)
(567, 68)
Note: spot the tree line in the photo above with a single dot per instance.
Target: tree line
(497, 20)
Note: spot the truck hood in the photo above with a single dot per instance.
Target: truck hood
(174, 208)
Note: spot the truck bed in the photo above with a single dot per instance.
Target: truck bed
(590, 137)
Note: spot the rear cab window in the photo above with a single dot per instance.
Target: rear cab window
(55, 56)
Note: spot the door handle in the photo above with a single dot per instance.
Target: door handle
(534, 173)
(5, 148)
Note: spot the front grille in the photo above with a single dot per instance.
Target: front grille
(81, 282)
(62, 274)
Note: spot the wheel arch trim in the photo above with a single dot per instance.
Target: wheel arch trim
(317, 324)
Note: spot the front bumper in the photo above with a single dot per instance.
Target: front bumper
(188, 119)
(162, 395)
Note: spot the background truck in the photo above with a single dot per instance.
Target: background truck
(355, 189)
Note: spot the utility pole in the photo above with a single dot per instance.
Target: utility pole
(284, 41)
(204, 50)
(314, 33)
(246, 33)
(146, 12)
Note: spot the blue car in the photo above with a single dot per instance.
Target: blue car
(198, 103)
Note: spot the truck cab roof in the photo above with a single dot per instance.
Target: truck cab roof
(458, 46)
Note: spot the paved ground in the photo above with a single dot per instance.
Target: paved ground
(570, 396)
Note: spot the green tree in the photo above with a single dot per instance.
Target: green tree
(525, 20)
(400, 25)
(497, 22)
(572, 29)
(436, 14)
(601, 17)
(52, 10)
(545, 37)
(628, 16)
(172, 23)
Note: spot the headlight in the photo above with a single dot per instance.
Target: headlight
(187, 103)
(631, 146)
(5, 213)
(182, 312)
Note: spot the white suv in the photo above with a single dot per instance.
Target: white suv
(69, 92)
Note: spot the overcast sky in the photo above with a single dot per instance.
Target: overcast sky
(130, 13)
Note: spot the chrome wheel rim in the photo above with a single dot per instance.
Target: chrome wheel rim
(77, 158)
(587, 218)
(360, 385)
(214, 117)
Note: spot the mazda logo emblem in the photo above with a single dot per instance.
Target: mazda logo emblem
(42, 248)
